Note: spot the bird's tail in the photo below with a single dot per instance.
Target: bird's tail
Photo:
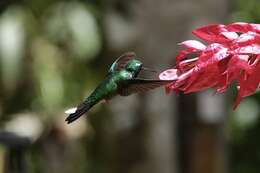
(75, 113)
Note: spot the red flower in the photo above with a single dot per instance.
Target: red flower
(233, 54)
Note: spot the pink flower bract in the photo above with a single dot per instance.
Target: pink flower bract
(231, 55)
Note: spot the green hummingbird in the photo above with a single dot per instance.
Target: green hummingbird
(121, 80)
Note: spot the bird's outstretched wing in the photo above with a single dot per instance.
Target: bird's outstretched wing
(120, 63)
(141, 85)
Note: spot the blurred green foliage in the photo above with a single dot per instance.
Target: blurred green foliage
(48, 53)
(42, 48)
(246, 11)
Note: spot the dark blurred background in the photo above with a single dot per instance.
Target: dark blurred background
(54, 52)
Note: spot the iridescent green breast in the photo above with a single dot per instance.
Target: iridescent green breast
(111, 85)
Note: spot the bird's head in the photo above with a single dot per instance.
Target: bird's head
(134, 66)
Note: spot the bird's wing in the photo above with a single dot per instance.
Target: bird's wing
(120, 63)
(141, 85)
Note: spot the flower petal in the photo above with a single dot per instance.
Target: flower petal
(243, 27)
(230, 35)
(193, 44)
(170, 74)
(234, 55)
(211, 33)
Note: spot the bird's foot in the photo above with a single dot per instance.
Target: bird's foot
(104, 101)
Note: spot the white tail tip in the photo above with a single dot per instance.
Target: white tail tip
(71, 111)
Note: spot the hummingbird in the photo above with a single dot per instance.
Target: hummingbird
(122, 79)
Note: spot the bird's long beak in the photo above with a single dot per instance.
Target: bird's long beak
(148, 69)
